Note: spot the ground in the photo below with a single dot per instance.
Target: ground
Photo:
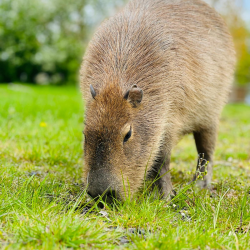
(43, 204)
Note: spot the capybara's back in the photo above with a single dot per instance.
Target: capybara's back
(156, 71)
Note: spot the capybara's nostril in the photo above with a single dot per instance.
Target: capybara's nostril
(89, 193)
(93, 194)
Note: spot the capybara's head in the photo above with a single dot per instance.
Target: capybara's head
(115, 161)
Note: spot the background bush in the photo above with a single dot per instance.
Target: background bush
(42, 41)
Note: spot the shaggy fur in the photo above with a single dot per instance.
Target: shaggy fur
(181, 55)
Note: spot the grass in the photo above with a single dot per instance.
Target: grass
(43, 205)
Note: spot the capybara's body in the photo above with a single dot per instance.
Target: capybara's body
(158, 70)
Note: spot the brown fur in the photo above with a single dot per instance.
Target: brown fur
(180, 53)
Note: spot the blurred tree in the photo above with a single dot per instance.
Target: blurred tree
(41, 37)
(241, 37)
(44, 40)
(232, 11)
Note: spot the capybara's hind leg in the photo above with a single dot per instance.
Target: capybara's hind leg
(205, 140)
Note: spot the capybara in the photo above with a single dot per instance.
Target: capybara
(157, 70)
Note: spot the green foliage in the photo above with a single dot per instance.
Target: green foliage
(44, 41)
(241, 36)
(43, 206)
(232, 11)
(41, 37)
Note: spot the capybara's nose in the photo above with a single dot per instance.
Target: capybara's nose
(101, 184)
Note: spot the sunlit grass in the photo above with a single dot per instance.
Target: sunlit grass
(43, 205)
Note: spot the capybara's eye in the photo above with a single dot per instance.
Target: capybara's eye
(128, 135)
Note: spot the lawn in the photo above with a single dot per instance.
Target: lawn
(44, 206)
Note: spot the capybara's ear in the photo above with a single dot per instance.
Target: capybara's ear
(134, 95)
(93, 93)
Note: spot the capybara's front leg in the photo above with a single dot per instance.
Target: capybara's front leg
(162, 177)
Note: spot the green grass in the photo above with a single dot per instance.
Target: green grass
(43, 205)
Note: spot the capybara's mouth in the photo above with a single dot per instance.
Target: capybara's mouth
(109, 197)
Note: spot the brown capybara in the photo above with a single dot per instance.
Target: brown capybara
(154, 72)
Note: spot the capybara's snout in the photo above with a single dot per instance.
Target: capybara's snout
(101, 184)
